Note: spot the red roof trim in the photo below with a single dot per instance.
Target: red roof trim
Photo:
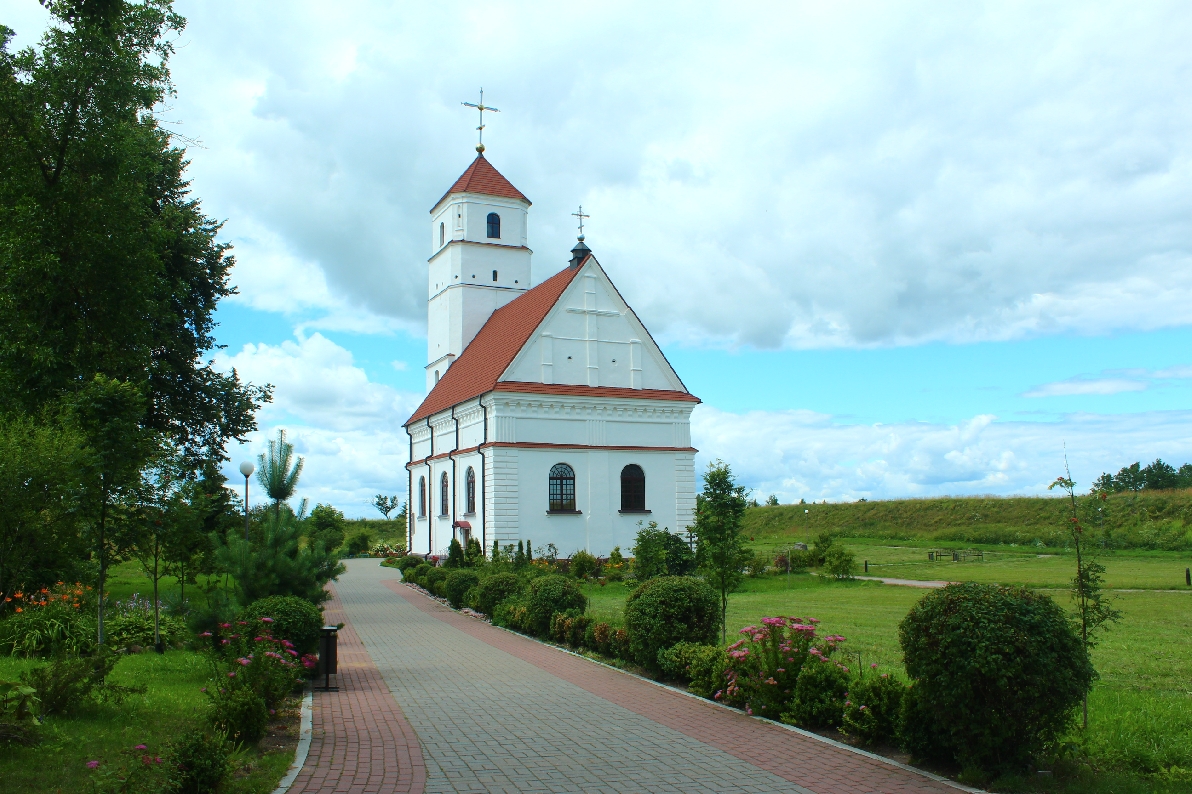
(594, 391)
(480, 177)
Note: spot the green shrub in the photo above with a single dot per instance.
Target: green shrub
(819, 695)
(19, 707)
(359, 542)
(457, 584)
(240, 713)
(548, 595)
(839, 562)
(432, 578)
(582, 565)
(418, 574)
(873, 708)
(998, 673)
(513, 613)
(291, 618)
(700, 666)
(406, 564)
(198, 762)
(136, 628)
(618, 644)
(598, 637)
(494, 589)
(50, 629)
(667, 610)
(614, 569)
(69, 682)
(759, 563)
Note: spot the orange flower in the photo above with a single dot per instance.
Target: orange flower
(20, 610)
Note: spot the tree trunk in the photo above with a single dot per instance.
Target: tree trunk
(103, 563)
(156, 603)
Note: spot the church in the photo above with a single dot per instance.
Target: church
(551, 416)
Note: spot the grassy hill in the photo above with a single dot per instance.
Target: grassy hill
(1159, 520)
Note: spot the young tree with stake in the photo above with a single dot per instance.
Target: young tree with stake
(1093, 609)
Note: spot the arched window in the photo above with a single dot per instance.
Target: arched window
(633, 488)
(442, 233)
(422, 497)
(470, 486)
(444, 495)
(494, 226)
(562, 488)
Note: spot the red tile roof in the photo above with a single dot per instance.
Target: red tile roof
(493, 349)
(478, 369)
(481, 177)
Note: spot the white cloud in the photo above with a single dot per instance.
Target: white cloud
(805, 175)
(805, 455)
(400, 366)
(1110, 382)
(347, 427)
(1076, 386)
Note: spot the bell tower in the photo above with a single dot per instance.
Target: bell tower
(480, 260)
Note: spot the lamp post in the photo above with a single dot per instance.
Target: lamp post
(246, 468)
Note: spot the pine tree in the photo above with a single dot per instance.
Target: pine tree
(529, 553)
(455, 555)
(519, 558)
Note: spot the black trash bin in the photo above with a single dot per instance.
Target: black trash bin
(328, 655)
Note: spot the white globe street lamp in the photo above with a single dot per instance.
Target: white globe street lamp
(246, 468)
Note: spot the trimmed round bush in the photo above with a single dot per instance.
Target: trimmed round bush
(432, 577)
(548, 595)
(407, 563)
(418, 574)
(240, 713)
(457, 584)
(494, 589)
(668, 610)
(998, 673)
(294, 619)
(819, 695)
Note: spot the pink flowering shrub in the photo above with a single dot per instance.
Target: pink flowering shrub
(764, 665)
(253, 658)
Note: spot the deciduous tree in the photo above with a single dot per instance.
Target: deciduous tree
(720, 546)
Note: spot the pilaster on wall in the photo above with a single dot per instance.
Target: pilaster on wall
(684, 490)
(501, 495)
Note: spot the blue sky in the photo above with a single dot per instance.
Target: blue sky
(898, 249)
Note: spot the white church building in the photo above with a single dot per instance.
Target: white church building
(551, 414)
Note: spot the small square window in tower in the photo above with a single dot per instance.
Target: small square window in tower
(494, 226)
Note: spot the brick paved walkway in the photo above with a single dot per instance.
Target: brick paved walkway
(360, 741)
(494, 711)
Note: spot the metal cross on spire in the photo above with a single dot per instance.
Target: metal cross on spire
(480, 107)
(581, 217)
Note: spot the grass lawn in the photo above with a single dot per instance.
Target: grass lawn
(101, 731)
(1140, 710)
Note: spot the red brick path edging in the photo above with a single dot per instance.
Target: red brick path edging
(361, 743)
(819, 766)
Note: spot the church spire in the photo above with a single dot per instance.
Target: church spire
(581, 251)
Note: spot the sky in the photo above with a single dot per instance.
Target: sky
(897, 249)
